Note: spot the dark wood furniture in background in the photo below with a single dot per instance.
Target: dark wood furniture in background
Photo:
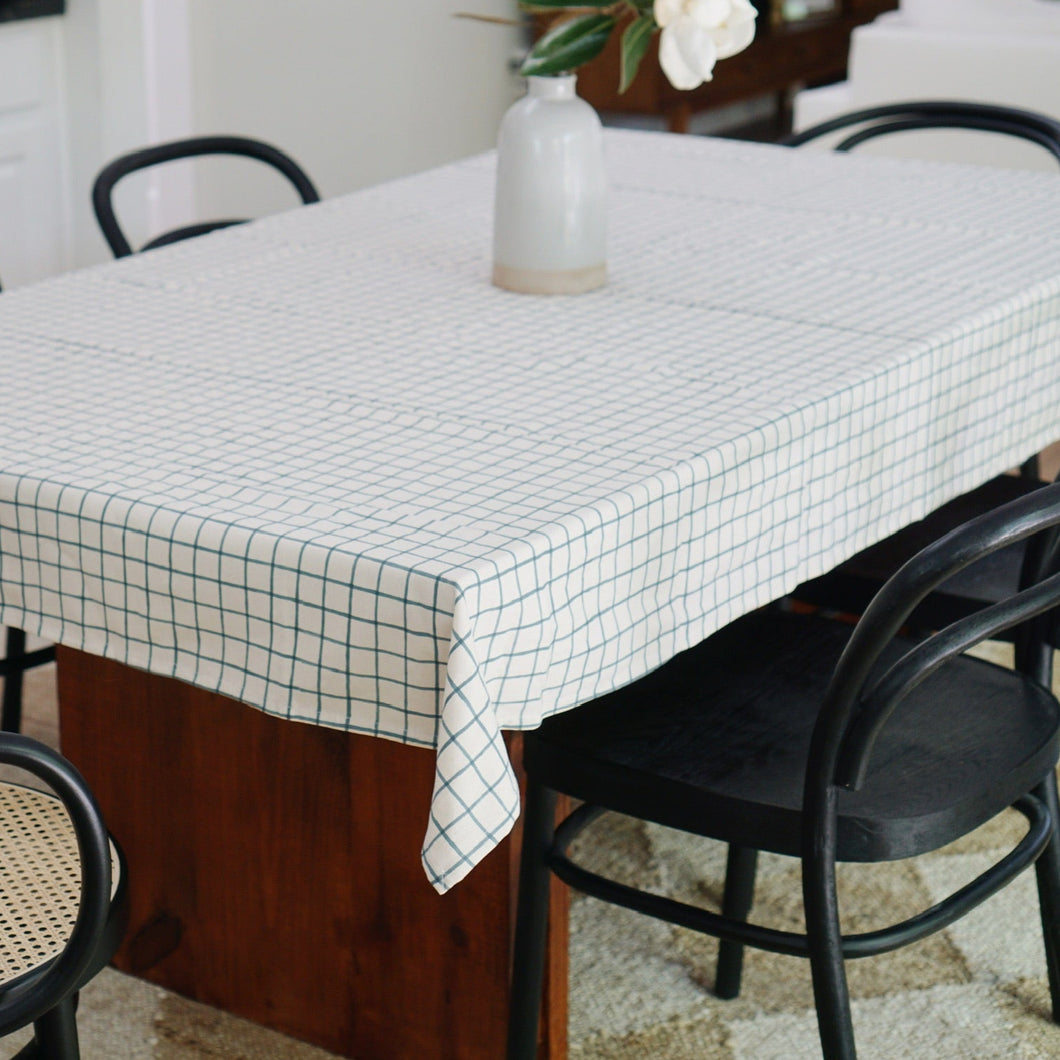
(784, 57)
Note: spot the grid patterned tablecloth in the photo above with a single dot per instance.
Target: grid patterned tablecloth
(318, 463)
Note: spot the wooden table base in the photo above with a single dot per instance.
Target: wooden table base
(275, 873)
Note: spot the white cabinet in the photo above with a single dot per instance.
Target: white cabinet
(34, 211)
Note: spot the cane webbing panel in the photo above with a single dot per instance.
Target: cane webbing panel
(40, 879)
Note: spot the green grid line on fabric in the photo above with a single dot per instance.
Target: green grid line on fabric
(319, 464)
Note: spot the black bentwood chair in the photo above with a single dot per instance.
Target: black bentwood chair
(850, 586)
(806, 736)
(102, 190)
(15, 662)
(63, 903)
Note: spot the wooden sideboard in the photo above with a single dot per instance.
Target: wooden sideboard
(785, 56)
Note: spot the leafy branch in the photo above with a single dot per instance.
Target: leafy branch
(694, 36)
(570, 42)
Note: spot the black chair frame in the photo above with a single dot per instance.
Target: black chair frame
(47, 995)
(935, 114)
(13, 665)
(861, 698)
(193, 147)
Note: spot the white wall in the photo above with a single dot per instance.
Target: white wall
(127, 84)
(992, 51)
(34, 212)
(356, 91)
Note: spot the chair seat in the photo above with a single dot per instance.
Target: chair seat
(40, 885)
(715, 742)
(851, 585)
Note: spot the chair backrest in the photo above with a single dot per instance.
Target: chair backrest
(864, 692)
(103, 188)
(26, 999)
(935, 114)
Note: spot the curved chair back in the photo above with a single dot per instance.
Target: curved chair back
(871, 122)
(864, 693)
(113, 172)
(714, 743)
(27, 998)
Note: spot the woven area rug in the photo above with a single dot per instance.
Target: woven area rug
(641, 989)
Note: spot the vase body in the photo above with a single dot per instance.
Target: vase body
(550, 212)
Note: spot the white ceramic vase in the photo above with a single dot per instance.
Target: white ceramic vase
(550, 212)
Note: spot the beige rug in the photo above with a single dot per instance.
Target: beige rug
(641, 989)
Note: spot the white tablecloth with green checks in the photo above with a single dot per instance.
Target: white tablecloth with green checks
(319, 464)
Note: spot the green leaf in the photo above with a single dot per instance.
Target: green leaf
(635, 42)
(568, 45)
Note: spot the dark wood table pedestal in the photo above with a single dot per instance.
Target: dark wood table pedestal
(275, 873)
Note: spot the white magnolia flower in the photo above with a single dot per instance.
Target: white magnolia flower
(697, 33)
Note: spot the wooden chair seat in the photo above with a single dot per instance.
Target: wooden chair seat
(715, 743)
(808, 736)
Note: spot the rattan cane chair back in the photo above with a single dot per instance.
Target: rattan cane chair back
(63, 897)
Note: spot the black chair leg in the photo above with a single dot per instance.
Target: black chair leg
(830, 992)
(11, 707)
(1047, 869)
(1031, 467)
(740, 869)
(56, 1032)
(531, 923)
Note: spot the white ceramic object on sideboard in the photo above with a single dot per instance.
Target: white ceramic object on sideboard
(550, 212)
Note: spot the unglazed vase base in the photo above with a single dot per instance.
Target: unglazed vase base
(550, 281)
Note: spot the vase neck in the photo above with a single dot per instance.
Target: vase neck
(561, 87)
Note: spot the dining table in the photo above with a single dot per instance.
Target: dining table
(321, 520)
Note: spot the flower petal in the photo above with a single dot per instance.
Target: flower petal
(738, 32)
(709, 13)
(687, 53)
(667, 11)
(697, 46)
